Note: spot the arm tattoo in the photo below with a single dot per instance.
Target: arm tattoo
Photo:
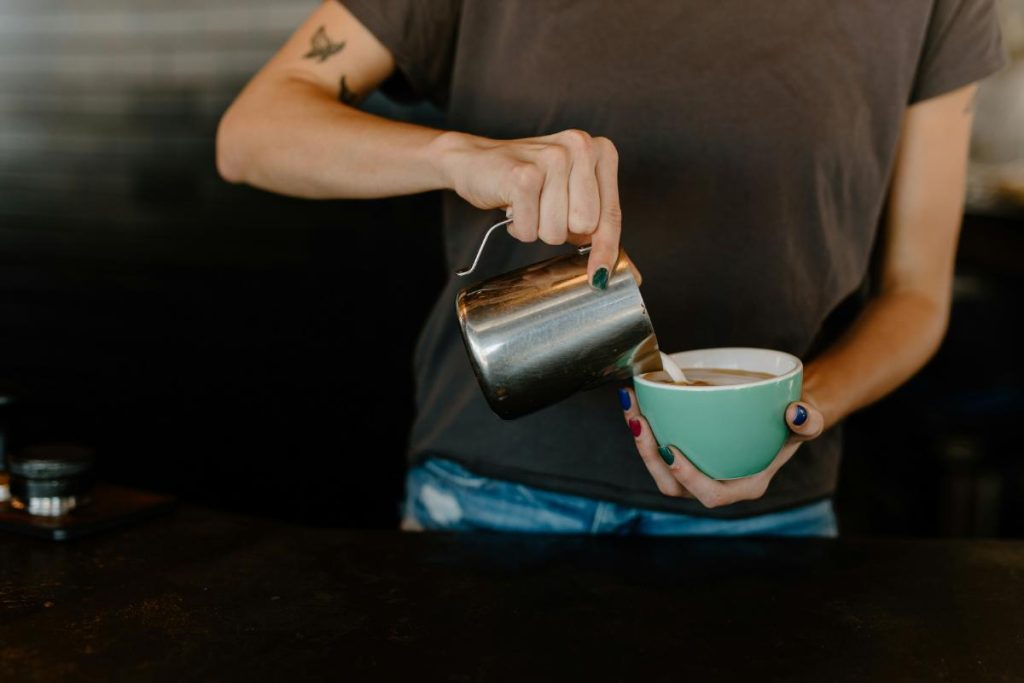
(346, 96)
(321, 47)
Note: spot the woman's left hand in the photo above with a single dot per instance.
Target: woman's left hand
(678, 477)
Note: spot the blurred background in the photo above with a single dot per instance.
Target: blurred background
(224, 344)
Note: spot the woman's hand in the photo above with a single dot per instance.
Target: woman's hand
(678, 477)
(557, 188)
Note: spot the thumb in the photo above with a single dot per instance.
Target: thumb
(804, 420)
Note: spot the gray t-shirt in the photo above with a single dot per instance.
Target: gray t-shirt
(756, 143)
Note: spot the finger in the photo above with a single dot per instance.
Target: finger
(752, 488)
(604, 250)
(526, 182)
(554, 197)
(584, 196)
(783, 456)
(709, 492)
(627, 401)
(804, 420)
(653, 458)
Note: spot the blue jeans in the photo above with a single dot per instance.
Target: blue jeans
(441, 494)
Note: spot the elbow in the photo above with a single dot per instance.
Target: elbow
(934, 314)
(230, 148)
(941, 328)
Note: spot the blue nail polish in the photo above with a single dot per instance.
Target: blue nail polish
(624, 399)
(666, 454)
(801, 415)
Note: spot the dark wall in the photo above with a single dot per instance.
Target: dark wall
(943, 455)
(232, 346)
(210, 340)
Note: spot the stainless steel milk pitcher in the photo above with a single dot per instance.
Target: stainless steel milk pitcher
(541, 333)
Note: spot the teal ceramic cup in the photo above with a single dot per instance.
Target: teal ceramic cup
(728, 432)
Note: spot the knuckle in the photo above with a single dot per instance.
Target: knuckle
(552, 236)
(523, 229)
(526, 235)
(666, 490)
(684, 477)
(576, 140)
(757, 490)
(612, 213)
(584, 210)
(713, 500)
(582, 219)
(607, 148)
(555, 157)
(527, 176)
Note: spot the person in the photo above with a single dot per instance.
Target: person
(753, 158)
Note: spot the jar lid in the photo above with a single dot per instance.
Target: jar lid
(52, 461)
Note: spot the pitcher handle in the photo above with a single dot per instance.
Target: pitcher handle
(463, 272)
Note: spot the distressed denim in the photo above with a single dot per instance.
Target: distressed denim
(443, 495)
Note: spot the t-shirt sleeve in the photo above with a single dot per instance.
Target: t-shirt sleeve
(421, 36)
(963, 45)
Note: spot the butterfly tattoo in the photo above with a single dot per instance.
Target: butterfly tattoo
(321, 47)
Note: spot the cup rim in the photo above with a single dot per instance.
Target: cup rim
(798, 367)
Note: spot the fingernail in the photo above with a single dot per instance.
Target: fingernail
(666, 454)
(634, 426)
(801, 415)
(624, 399)
(600, 280)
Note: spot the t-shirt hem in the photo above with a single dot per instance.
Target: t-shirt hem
(629, 497)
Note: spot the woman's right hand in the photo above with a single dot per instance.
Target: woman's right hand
(558, 188)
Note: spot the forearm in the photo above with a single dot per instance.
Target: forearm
(892, 339)
(290, 136)
(901, 328)
(287, 133)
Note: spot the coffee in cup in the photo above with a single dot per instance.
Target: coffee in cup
(710, 377)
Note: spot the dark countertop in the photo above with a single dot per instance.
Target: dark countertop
(201, 595)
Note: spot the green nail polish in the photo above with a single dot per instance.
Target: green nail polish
(600, 280)
(666, 454)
